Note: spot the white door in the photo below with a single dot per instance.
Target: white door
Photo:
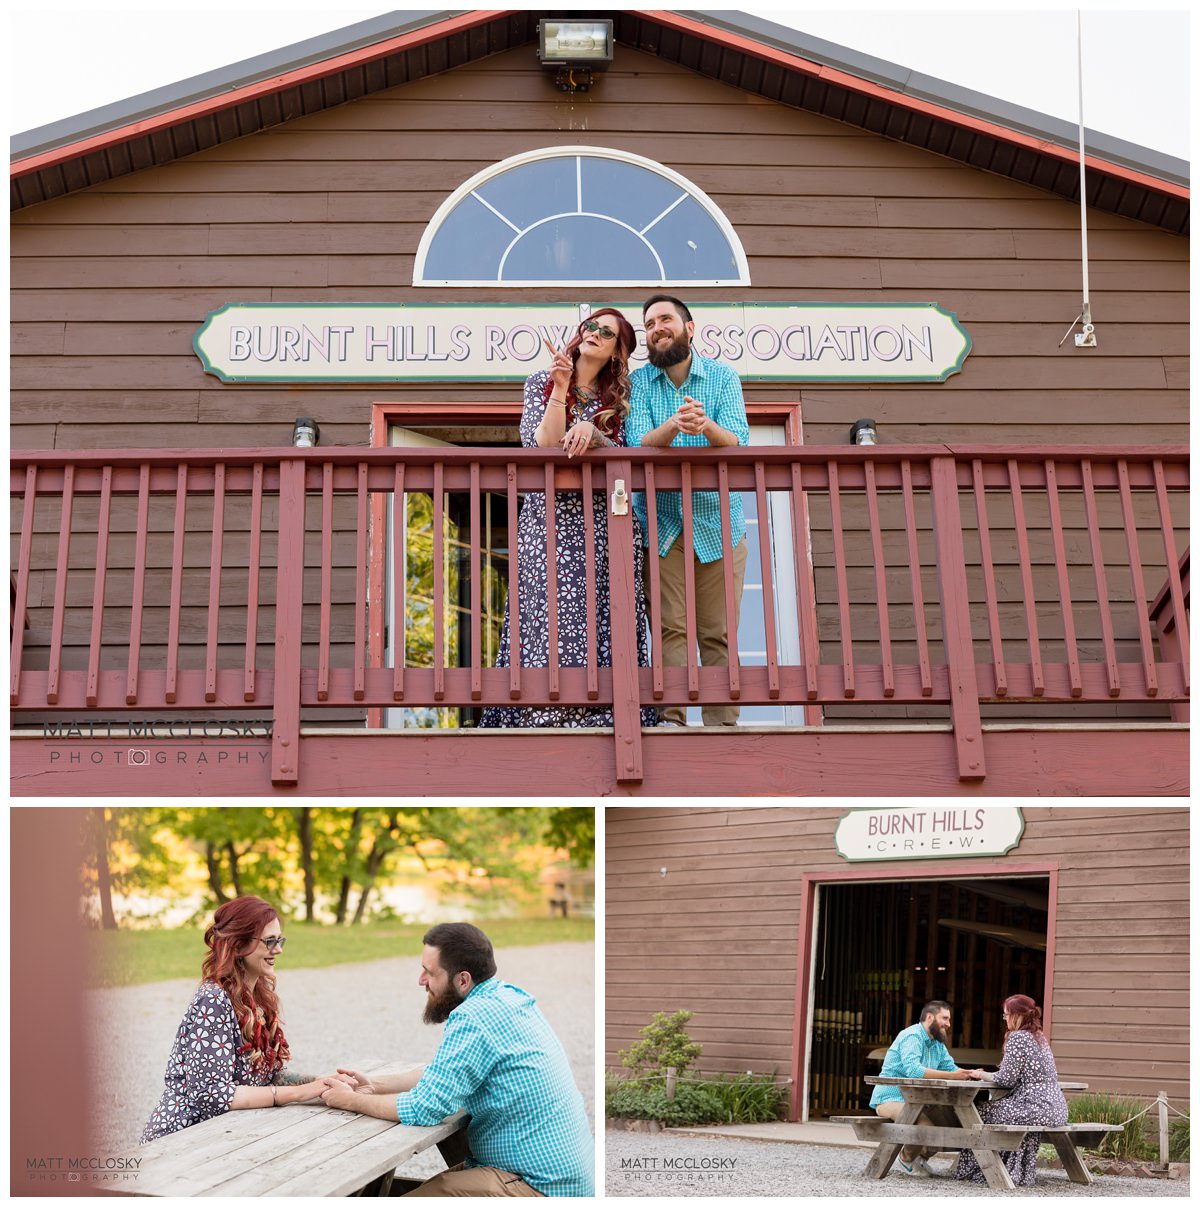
(752, 641)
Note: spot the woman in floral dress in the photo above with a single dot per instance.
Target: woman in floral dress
(1028, 1069)
(579, 403)
(230, 1051)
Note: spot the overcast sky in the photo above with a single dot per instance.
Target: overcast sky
(1136, 64)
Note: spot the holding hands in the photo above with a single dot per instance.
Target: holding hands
(339, 1091)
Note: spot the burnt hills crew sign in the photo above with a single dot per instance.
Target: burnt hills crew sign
(495, 341)
(935, 832)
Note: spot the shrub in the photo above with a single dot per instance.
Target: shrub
(1139, 1139)
(664, 1045)
(749, 1097)
(691, 1105)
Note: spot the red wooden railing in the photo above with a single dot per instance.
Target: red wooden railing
(870, 625)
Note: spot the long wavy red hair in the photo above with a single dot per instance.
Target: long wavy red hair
(613, 380)
(236, 928)
(1028, 1014)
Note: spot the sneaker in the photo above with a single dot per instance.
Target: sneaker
(670, 725)
(918, 1169)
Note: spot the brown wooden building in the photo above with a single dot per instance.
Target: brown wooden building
(801, 960)
(993, 599)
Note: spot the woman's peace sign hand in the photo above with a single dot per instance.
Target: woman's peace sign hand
(560, 368)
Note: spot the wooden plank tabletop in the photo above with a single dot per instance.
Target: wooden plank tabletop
(294, 1150)
(985, 1083)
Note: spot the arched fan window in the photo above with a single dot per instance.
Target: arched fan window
(579, 216)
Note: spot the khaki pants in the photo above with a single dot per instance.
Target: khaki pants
(480, 1182)
(711, 630)
(891, 1110)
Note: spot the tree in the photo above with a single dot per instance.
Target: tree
(664, 1045)
(574, 829)
(304, 829)
(108, 919)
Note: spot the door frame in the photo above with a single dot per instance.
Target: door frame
(409, 413)
(961, 869)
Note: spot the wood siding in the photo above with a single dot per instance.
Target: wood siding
(720, 933)
(110, 284)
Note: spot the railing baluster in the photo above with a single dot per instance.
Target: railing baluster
(552, 579)
(96, 640)
(326, 623)
(214, 584)
(360, 587)
(956, 619)
(731, 606)
(918, 590)
(177, 548)
(399, 580)
(1102, 603)
(1022, 534)
(60, 585)
(843, 590)
(21, 603)
(1064, 581)
(989, 578)
(252, 584)
(881, 600)
(1135, 571)
(589, 548)
(476, 590)
(810, 648)
(1178, 599)
(652, 568)
(439, 582)
(768, 578)
(139, 583)
(689, 581)
(514, 599)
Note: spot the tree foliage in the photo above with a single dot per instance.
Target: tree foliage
(325, 862)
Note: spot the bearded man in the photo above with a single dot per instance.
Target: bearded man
(499, 1061)
(682, 399)
(919, 1051)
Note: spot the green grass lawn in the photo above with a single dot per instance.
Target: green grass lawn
(137, 957)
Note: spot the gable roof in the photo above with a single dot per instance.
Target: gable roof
(747, 52)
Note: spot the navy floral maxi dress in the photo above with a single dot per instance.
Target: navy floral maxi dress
(530, 549)
(1028, 1067)
(206, 1065)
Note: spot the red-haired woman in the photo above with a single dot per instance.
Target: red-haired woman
(1028, 1070)
(229, 1051)
(579, 403)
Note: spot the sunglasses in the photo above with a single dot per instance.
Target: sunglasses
(274, 944)
(605, 332)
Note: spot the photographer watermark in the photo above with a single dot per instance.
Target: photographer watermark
(90, 1169)
(699, 1171)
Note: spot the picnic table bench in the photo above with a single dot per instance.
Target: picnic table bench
(957, 1126)
(302, 1149)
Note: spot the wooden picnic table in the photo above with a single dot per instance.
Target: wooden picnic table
(959, 1126)
(302, 1149)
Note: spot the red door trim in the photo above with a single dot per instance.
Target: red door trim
(967, 869)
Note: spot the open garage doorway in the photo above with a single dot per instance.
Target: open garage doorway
(881, 950)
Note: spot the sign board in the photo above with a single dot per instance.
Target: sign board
(497, 341)
(936, 832)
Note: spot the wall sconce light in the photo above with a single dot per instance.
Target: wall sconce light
(573, 50)
(305, 433)
(863, 431)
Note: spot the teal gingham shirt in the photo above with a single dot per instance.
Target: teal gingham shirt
(653, 399)
(912, 1052)
(500, 1061)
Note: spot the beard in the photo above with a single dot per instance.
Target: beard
(663, 356)
(438, 1006)
(937, 1033)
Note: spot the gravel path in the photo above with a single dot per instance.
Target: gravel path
(349, 1015)
(726, 1167)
